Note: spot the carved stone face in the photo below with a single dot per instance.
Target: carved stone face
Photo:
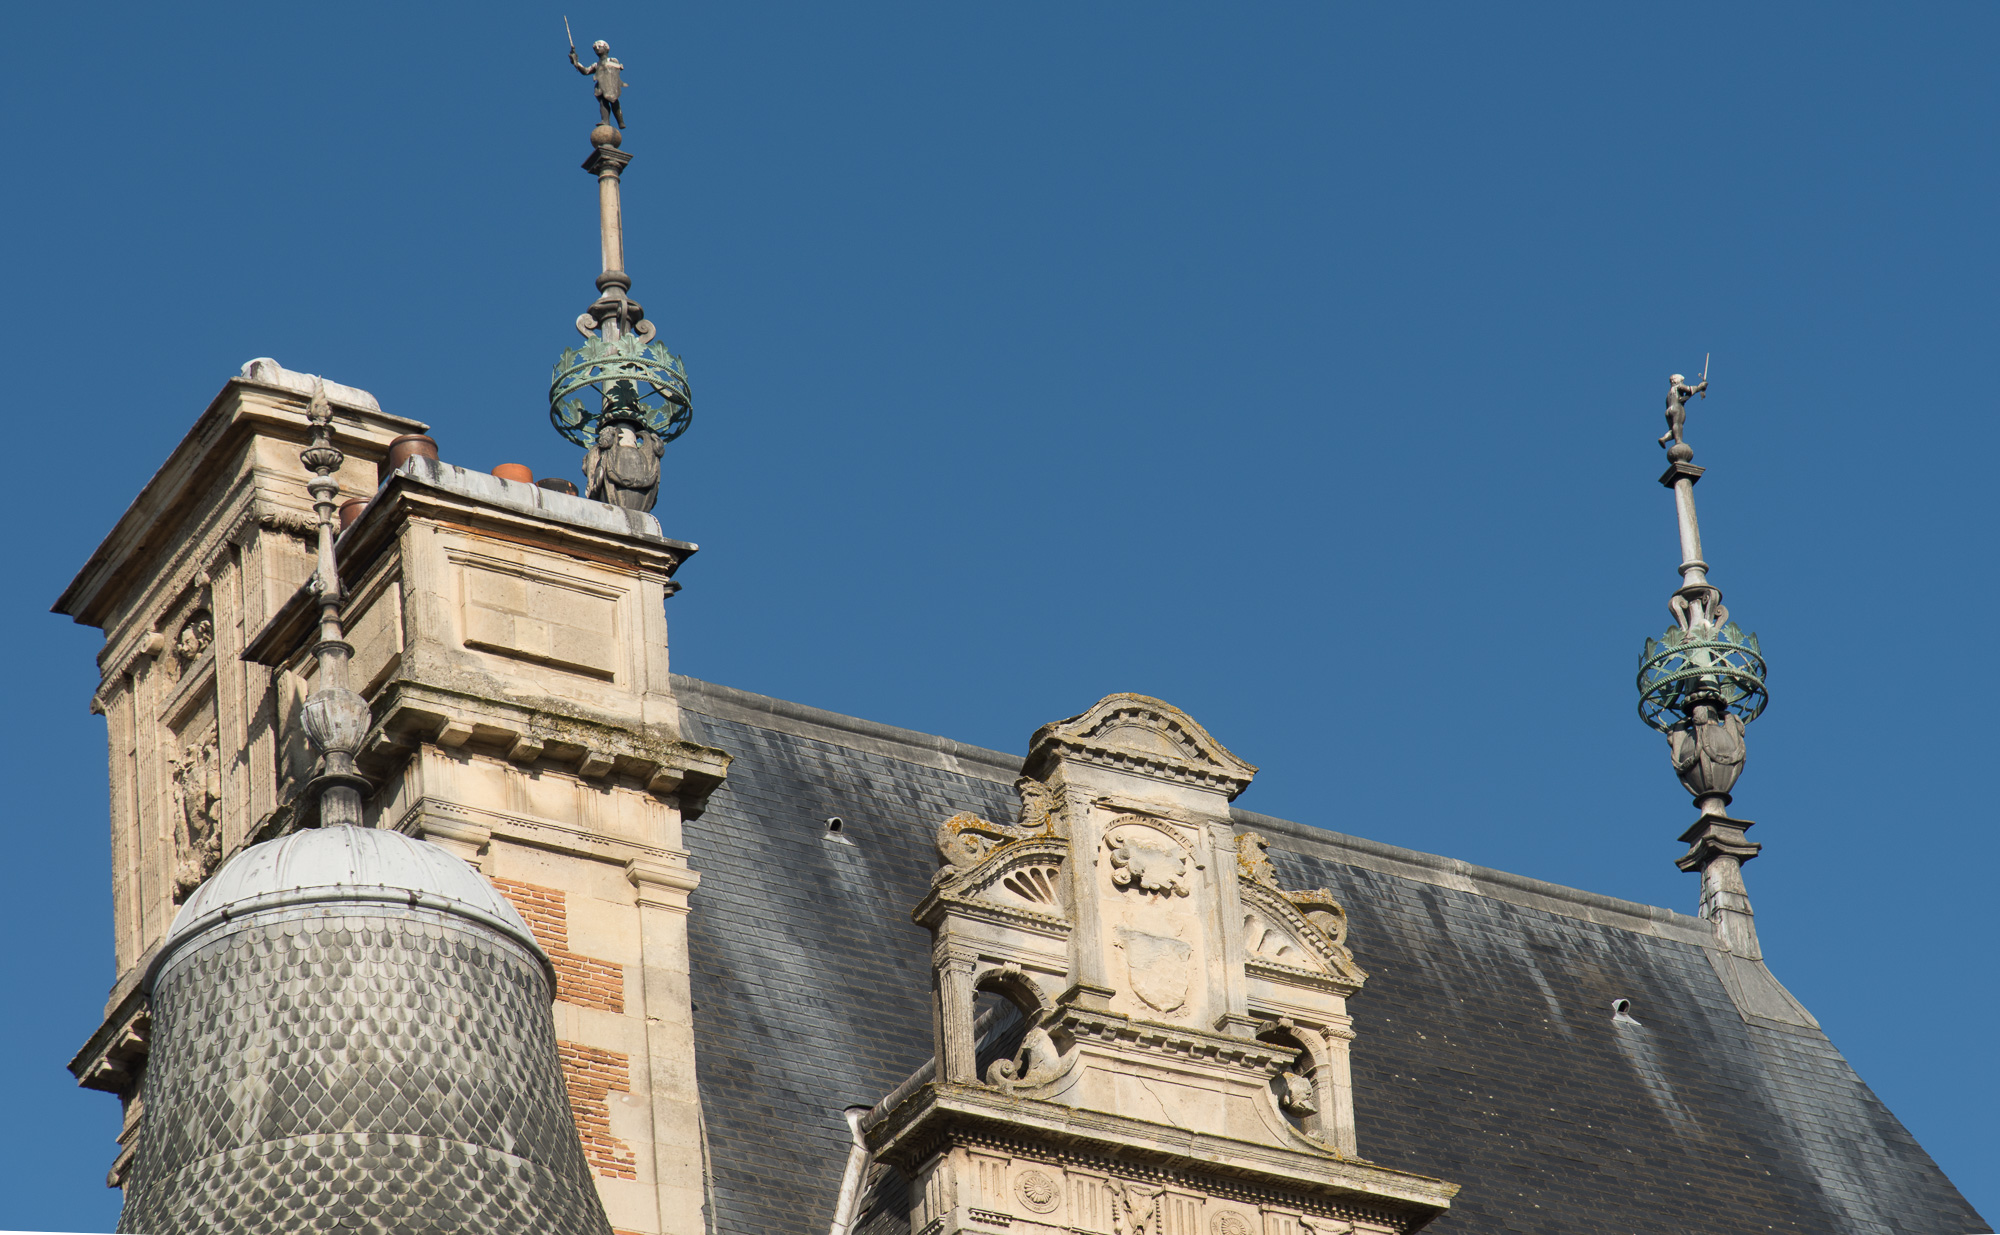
(601, 47)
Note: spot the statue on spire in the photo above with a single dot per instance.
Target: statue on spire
(604, 74)
(1678, 394)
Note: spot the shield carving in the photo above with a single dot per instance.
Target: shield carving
(1158, 967)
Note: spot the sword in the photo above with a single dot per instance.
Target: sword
(572, 35)
(1704, 365)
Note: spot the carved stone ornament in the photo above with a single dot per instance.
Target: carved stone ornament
(1160, 968)
(1228, 1222)
(197, 815)
(1253, 862)
(965, 840)
(1253, 859)
(1298, 1098)
(196, 635)
(1145, 860)
(1037, 1063)
(622, 466)
(1323, 912)
(1138, 1206)
(1038, 1191)
(1309, 1225)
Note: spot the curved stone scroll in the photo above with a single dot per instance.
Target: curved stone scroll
(1328, 917)
(965, 840)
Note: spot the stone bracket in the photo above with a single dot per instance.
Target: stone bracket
(115, 1057)
(412, 713)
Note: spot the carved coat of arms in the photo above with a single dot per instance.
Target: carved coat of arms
(1159, 967)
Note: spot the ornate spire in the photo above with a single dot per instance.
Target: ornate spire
(1699, 684)
(638, 388)
(336, 719)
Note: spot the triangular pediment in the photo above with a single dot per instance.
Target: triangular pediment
(1135, 730)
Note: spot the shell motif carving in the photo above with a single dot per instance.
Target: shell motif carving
(1035, 883)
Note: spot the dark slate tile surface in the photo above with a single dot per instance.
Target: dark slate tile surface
(1487, 1054)
(811, 984)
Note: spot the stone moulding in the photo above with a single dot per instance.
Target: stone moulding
(936, 1117)
(475, 830)
(1177, 1042)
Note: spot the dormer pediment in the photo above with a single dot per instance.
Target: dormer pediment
(1140, 734)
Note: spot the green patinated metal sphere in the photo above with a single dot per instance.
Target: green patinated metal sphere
(633, 380)
(1722, 666)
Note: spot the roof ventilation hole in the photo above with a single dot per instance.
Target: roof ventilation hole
(833, 830)
(1621, 1012)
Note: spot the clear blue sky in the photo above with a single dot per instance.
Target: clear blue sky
(1299, 365)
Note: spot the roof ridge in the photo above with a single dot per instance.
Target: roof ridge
(728, 703)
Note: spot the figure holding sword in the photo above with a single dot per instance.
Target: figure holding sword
(605, 74)
(1678, 394)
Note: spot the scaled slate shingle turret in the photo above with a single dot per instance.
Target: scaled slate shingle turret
(352, 1033)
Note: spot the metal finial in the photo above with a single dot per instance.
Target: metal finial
(1700, 683)
(621, 395)
(336, 719)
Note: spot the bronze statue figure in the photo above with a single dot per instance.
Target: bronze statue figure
(622, 466)
(604, 72)
(1678, 394)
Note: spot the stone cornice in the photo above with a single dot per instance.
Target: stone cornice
(411, 712)
(935, 1114)
(471, 823)
(1176, 1041)
(273, 402)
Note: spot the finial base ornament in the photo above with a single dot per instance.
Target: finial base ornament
(1717, 850)
(335, 718)
(622, 396)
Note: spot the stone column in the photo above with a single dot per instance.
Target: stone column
(960, 1056)
(607, 163)
(662, 893)
(1227, 919)
(1334, 1081)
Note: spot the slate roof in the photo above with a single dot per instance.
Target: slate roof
(1486, 1053)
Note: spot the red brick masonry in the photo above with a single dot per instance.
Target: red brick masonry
(581, 980)
(591, 1074)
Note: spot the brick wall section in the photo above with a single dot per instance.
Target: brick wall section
(593, 1076)
(581, 980)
